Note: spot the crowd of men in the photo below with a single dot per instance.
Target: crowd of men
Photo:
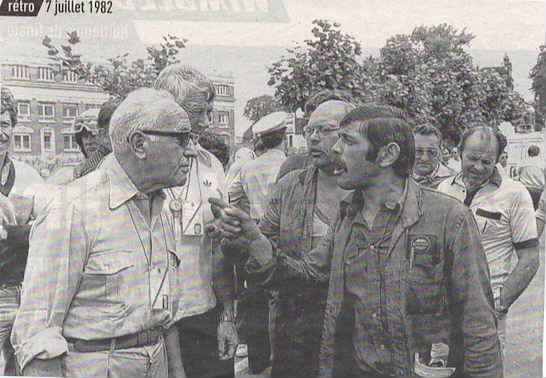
(375, 253)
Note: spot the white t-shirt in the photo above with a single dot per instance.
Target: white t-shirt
(506, 219)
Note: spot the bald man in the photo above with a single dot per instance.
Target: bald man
(302, 205)
(504, 212)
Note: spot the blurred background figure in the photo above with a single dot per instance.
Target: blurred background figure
(531, 175)
(428, 169)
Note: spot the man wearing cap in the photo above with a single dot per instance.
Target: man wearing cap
(95, 144)
(16, 181)
(254, 184)
(205, 317)
(100, 288)
(257, 176)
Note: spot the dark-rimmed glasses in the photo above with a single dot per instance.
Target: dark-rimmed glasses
(183, 139)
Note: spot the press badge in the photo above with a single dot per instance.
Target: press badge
(192, 218)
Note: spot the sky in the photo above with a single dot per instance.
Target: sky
(260, 36)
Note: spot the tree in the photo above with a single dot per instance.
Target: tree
(261, 106)
(538, 77)
(120, 76)
(428, 73)
(328, 61)
(431, 76)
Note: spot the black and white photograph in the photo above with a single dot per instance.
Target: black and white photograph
(272, 188)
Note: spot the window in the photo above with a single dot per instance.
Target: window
(70, 76)
(18, 71)
(223, 118)
(23, 111)
(46, 74)
(47, 112)
(48, 142)
(21, 143)
(92, 106)
(70, 111)
(70, 144)
(222, 90)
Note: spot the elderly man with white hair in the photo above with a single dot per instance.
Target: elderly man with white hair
(99, 291)
(205, 318)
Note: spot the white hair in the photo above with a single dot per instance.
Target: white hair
(144, 108)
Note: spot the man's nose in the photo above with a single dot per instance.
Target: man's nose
(190, 150)
(337, 148)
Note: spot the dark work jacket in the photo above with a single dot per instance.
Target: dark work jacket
(435, 292)
(288, 224)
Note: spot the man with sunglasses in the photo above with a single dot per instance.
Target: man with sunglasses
(205, 318)
(100, 284)
(428, 169)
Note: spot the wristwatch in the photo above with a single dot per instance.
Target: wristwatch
(3, 233)
(227, 317)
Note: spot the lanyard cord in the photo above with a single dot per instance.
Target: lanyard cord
(148, 260)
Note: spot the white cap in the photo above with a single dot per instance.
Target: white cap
(271, 122)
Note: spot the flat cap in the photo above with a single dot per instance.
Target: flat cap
(270, 123)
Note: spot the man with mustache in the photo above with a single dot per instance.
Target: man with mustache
(504, 211)
(409, 290)
(100, 284)
(301, 206)
(428, 169)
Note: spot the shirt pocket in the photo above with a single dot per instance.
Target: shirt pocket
(107, 278)
(487, 221)
(425, 291)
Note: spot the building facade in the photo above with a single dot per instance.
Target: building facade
(48, 100)
(222, 118)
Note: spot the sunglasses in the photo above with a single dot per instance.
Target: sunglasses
(183, 139)
(86, 125)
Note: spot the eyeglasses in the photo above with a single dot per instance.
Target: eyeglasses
(323, 131)
(183, 139)
(432, 152)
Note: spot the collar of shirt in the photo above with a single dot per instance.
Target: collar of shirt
(274, 152)
(495, 179)
(352, 206)
(121, 187)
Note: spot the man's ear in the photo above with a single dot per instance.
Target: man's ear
(137, 143)
(388, 154)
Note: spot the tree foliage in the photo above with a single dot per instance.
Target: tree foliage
(538, 77)
(427, 73)
(261, 106)
(120, 76)
(328, 61)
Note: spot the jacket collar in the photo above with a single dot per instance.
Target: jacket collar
(409, 204)
(120, 186)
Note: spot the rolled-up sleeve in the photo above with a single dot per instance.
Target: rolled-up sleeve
(58, 245)
(471, 300)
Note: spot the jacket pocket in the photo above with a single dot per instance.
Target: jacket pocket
(425, 289)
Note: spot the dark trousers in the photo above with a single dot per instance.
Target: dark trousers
(199, 345)
(253, 310)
